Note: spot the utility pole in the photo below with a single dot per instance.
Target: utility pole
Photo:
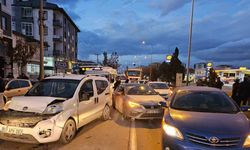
(190, 41)
(41, 19)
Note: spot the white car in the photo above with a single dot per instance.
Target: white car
(55, 108)
(162, 88)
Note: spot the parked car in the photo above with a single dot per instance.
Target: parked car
(138, 101)
(162, 88)
(203, 118)
(16, 87)
(55, 108)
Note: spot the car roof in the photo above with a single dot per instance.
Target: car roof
(157, 82)
(197, 88)
(69, 77)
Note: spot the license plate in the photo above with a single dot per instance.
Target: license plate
(156, 111)
(11, 130)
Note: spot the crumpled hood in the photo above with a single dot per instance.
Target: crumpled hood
(31, 103)
(145, 98)
(217, 123)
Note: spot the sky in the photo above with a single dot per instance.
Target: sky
(221, 29)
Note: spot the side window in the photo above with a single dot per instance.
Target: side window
(101, 86)
(23, 83)
(86, 91)
(13, 85)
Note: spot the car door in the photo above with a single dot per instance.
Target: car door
(12, 89)
(25, 85)
(87, 102)
(119, 98)
(103, 95)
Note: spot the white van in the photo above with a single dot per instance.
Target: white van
(55, 108)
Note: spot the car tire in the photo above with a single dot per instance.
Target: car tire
(106, 113)
(68, 132)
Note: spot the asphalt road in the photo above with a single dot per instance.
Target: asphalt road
(114, 134)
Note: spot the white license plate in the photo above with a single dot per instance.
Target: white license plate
(11, 130)
(154, 111)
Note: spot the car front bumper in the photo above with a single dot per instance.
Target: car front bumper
(43, 132)
(140, 113)
(170, 143)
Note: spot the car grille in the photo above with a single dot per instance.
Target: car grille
(223, 142)
(21, 119)
(156, 106)
(163, 95)
(151, 115)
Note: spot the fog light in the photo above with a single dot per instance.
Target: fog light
(45, 133)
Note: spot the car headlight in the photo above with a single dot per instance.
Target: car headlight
(172, 131)
(247, 142)
(133, 104)
(53, 109)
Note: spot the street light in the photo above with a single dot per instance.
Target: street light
(190, 41)
(151, 57)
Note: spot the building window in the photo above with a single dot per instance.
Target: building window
(27, 28)
(4, 2)
(4, 23)
(45, 31)
(27, 12)
(45, 15)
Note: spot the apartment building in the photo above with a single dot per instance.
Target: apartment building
(5, 36)
(61, 33)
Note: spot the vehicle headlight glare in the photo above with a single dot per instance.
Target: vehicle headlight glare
(133, 104)
(53, 109)
(247, 142)
(172, 131)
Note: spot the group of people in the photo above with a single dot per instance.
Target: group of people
(241, 91)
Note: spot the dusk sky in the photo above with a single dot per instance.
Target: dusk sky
(221, 31)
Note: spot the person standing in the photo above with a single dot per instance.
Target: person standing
(219, 84)
(244, 90)
(235, 92)
(117, 83)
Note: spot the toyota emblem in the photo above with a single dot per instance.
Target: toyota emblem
(214, 140)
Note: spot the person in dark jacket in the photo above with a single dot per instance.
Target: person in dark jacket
(235, 92)
(244, 89)
(117, 83)
(219, 84)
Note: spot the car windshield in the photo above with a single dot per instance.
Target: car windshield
(141, 90)
(212, 102)
(159, 85)
(54, 88)
(134, 73)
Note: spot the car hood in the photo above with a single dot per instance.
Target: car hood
(213, 123)
(145, 98)
(31, 103)
(163, 91)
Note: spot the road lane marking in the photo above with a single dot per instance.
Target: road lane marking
(132, 136)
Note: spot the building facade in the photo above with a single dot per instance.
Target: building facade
(60, 32)
(5, 37)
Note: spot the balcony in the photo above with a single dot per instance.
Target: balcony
(57, 38)
(57, 23)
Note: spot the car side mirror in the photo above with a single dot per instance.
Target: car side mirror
(7, 88)
(245, 108)
(163, 104)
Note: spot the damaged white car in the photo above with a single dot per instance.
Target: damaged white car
(55, 108)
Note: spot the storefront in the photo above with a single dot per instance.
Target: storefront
(49, 66)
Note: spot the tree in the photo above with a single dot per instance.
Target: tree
(22, 53)
(105, 59)
(113, 61)
(168, 71)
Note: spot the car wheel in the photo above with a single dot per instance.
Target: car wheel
(69, 132)
(106, 113)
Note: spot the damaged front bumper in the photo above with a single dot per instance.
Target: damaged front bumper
(28, 127)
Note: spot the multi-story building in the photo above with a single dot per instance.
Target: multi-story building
(59, 30)
(5, 36)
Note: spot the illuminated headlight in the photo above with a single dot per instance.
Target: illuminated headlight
(172, 131)
(134, 105)
(247, 142)
(53, 109)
